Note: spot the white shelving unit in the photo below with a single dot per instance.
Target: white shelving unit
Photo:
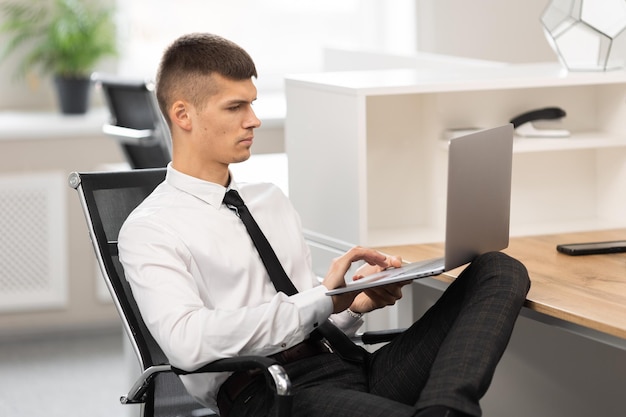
(367, 163)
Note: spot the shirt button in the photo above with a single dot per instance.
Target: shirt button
(283, 345)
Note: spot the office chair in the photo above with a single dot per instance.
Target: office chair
(135, 121)
(107, 198)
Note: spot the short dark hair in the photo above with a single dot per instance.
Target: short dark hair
(190, 60)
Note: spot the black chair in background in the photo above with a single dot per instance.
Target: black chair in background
(136, 121)
(107, 198)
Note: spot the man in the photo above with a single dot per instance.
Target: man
(205, 293)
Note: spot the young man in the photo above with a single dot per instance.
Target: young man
(205, 294)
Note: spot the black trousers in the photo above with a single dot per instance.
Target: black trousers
(448, 357)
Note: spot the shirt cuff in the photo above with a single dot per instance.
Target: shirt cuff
(314, 307)
(347, 323)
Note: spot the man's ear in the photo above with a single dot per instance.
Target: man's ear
(180, 114)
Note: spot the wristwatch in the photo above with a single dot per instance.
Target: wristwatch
(354, 315)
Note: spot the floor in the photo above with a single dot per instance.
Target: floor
(69, 376)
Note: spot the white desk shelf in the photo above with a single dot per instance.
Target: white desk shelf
(584, 140)
(365, 152)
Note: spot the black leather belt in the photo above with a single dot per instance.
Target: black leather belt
(302, 350)
(238, 381)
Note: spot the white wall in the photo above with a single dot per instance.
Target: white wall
(499, 30)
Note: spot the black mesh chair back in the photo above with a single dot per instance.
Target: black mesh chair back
(107, 199)
(136, 121)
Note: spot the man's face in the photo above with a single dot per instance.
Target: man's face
(224, 125)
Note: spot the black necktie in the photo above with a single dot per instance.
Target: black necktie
(268, 256)
(337, 339)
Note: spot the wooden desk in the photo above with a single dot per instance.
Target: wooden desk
(586, 291)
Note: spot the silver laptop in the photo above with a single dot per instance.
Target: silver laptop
(478, 207)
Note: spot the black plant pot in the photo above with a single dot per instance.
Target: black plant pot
(73, 94)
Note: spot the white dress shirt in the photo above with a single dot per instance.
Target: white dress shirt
(200, 283)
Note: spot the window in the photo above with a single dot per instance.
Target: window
(282, 36)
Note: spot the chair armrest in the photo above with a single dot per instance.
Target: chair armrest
(270, 368)
(378, 336)
(137, 391)
(272, 371)
(128, 135)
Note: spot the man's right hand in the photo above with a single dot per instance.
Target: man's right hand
(335, 278)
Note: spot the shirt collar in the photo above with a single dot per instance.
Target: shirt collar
(209, 192)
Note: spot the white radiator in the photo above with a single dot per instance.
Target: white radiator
(33, 241)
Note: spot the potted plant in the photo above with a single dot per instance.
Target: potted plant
(61, 38)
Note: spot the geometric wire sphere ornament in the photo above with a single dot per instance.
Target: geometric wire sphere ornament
(587, 35)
